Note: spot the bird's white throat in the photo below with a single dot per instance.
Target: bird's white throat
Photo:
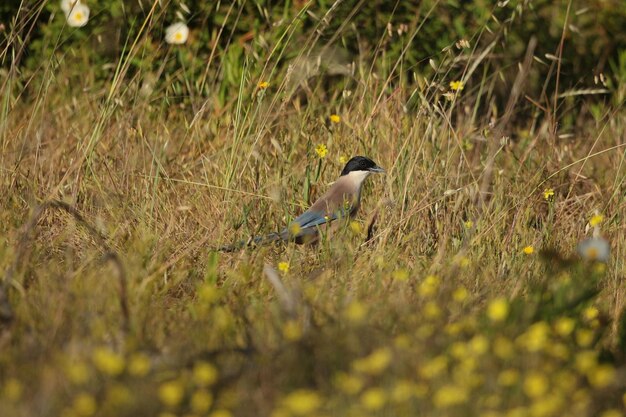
(357, 177)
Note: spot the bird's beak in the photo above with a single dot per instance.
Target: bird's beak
(377, 169)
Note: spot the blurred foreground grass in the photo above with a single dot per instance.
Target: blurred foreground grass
(469, 299)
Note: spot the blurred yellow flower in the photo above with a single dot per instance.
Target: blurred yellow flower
(294, 229)
(601, 376)
(585, 361)
(171, 393)
(402, 391)
(283, 267)
(77, 372)
(479, 344)
(612, 412)
(176, 33)
(139, 364)
(263, 85)
(584, 337)
(292, 331)
(335, 118)
(355, 312)
(498, 309)
(457, 85)
(595, 220)
(535, 384)
(201, 401)
(429, 286)
(84, 404)
(460, 294)
(431, 310)
(204, 374)
(373, 399)
(118, 394)
(450, 395)
(590, 313)
(356, 227)
(108, 362)
(564, 326)
(350, 384)
(508, 377)
(528, 250)
(343, 159)
(434, 367)
(468, 224)
(535, 337)
(302, 402)
(12, 389)
(321, 150)
(548, 194)
(374, 363)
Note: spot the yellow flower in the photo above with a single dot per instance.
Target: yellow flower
(321, 150)
(283, 267)
(355, 312)
(548, 194)
(434, 367)
(263, 85)
(468, 224)
(373, 399)
(431, 310)
(375, 363)
(77, 372)
(350, 384)
(449, 395)
(294, 229)
(498, 309)
(584, 337)
(528, 250)
(460, 294)
(535, 385)
(335, 118)
(119, 394)
(402, 391)
(508, 377)
(84, 405)
(292, 331)
(204, 374)
(356, 227)
(201, 401)
(401, 274)
(343, 159)
(536, 337)
(429, 286)
(596, 219)
(601, 376)
(479, 345)
(564, 326)
(12, 389)
(108, 362)
(457, 85)
(585, 361)
(171, 393)
(302, 402)
(591, 313)
(139, 364)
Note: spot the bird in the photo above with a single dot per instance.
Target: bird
(341, 201)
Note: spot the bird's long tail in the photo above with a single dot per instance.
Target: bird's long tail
(257, 241)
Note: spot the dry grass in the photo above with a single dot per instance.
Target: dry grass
(160, 185)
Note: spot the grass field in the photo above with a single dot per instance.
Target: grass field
(469, 297)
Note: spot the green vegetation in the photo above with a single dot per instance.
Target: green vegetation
(125, 161)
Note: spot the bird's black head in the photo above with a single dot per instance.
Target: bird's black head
(361, 163)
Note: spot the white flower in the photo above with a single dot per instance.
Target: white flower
(594, 249)
(78, 16)
(176, 33)
(67, 5)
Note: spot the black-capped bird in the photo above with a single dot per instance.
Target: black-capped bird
(341, 201)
